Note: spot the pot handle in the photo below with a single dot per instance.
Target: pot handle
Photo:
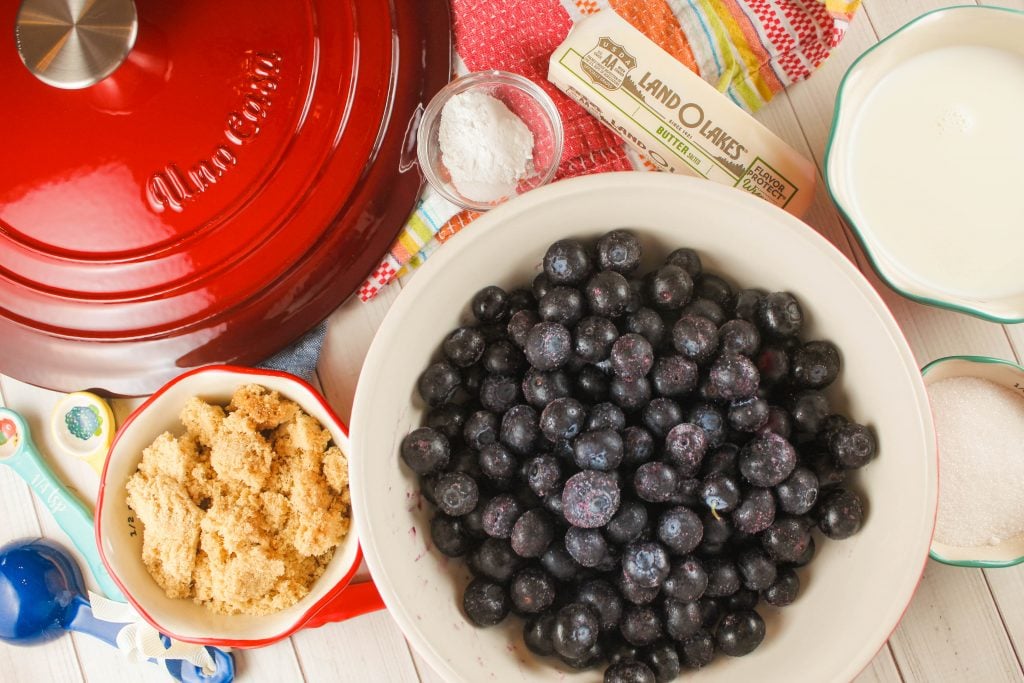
(357, 599)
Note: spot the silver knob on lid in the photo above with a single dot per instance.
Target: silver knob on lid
(73, 44)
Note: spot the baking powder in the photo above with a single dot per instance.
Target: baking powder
(486, 148)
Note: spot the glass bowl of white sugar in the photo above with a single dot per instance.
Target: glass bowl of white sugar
(978, 409)
(487, 137)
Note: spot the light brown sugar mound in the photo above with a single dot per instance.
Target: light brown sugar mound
(243, 511)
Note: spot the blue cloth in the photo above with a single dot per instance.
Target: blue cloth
(301, 357)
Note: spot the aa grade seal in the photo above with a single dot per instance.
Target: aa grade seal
(607, 63)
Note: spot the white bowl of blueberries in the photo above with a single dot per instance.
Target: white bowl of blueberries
(637, 424)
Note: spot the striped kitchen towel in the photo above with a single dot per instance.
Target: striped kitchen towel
(748, 49)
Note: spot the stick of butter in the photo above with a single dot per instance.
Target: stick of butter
(672, 116)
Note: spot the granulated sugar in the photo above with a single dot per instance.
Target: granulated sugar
(980, 429)
(486, 148)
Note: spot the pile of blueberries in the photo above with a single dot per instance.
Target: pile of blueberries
(633, 464)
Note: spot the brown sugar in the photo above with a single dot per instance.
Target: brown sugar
(242, 513)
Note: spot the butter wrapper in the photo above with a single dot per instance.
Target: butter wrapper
(672, 116)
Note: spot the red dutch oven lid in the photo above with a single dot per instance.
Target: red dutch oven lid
(227, 186)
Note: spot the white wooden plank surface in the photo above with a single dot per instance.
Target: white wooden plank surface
(962, 625)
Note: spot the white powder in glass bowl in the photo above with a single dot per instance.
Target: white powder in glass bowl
(486, 148)
(980, 430)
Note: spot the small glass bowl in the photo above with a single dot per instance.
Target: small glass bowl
(526, 100)
(1010, 375)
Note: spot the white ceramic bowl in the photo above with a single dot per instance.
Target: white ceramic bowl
(1010, 552)
(919, 268)
(855, 591)
(121, 547)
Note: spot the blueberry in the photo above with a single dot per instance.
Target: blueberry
(481, 428)
(567, 262)
(606, 602)
(563, 305)
(520, 324)
(486, 603)
(543, 474)
(641, 625)
(748, 414)
(532, 533)
(786, 540)
(772, 365)
(698, 650)
(710, 286)
(852, 446)
(490, 304)
(799, 492)
(557, 561)
(532, 591)
(620, 251)
(733, 377)
(646, 564)
(695, 337)
(705, 308)
(757, 570)
(456, 493)
(521, 299)
(685, 446)
(778, 423)
(548, 346)
(669, 288)
(816, 364)
(541, 388)
(717, 529)
(449, 535)
(638, 446)
(425, 450)
(687, 259)
(473, 523)
(498, 393)
(629, 671)
(464, 346)
(680, 529)
(663, 658)
(674, 376)
(592, 384)
(553, 504)
(655, 482)
(756, 513)
(498, 464)
(586, 546)
(590, 499)
(562, 419)
(628, 523)
(538, 633)
(808, 409)
(784, 590)
(780, 315)
(632, 356)
(747, 303)
(630, 394)
(723, 577)
(519, 429)
(593, 338)
(740, 633)
(824, 467)
(742, 599)
(721, 460)
(607, 294)
(739, 336)
(449, 419)
(541, 285)
(503, 358)
(601, 449)
(767, 460)
(438, 383)
(649, 324)
(661, 415)
(686, 581)
(634, 592)
(606, 416)
(500, 515)
(588, 660)
(840, 514)
(720, 493)
(682, 619)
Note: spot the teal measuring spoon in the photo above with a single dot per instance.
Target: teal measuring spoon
(19, 452)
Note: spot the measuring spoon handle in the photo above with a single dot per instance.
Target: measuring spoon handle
(69, 512)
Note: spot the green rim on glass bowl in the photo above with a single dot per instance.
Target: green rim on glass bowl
(1010, 375)
(967, 25)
